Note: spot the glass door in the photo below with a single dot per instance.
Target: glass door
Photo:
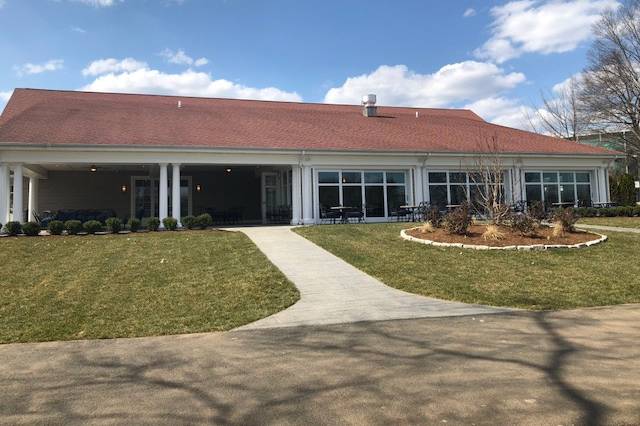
(270, 192)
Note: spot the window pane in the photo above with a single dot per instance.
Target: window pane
(328, 177)
(566, 193)
(549, 177)
(351, 177)
(328, 197)
(477, 179)
(584, 195)
(458, 177)
(437, 177)
(395, 198)
(438, 195)
(352, 196)
(582, 177)
(374, 201)
(373, 177)
(566, 176)
(477, 198)
(532, 177)
(534, 193)
(395, 177)
(550, 194)
(458, 194)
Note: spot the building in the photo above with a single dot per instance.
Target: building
(265, 162)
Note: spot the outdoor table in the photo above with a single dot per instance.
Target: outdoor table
(412, 210)
(566, 203)
(343, 212)
(452, 206)
(600, 205)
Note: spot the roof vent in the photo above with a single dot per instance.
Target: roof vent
(179, 104)
(369, 108)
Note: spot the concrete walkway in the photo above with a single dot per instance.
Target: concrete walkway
(333, 292)
(608, 228)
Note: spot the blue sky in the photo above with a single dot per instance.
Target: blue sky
(493, 57)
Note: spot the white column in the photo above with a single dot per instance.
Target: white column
(517, 194)
(296, 191)
(34, 184)
(5, 191)
(307, 196)
(418, 185)
(603, 185)
(18, 206)
(175, 193)
(163, 201)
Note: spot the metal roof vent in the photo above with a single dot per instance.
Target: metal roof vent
(369, 108)
(179, 104)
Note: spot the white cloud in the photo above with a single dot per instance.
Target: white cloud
(527, 26)
(181, 58)
(29, 68)
(110, 65)
(504, 111)
(78, 30)
(4, 96)
(99, 3)
(186, 83)
(2, 3)
(397, 85)
(469, 12)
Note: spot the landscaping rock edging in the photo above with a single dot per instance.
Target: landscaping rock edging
(408, 237)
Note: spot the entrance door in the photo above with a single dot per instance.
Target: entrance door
(270, 193)
(145, 195)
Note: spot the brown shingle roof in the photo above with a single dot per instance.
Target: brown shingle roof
(67, 118)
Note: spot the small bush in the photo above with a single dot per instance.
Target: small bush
(189, 222)
(114, 225)
(426, 228)
(31, 229)
(204, 221)
(55, 227)
(13, 228)
(623, 190)
(492, 232)
(170, 224)
(458, 220)
(151, 223)
(524, 224)
(566, 217)
(536, 211)
(92, 226)
(558, 230)
(73, 227)
(134, 224)
(433, 215)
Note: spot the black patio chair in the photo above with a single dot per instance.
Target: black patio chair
(400, 214)
(329, 216)
(355, 214)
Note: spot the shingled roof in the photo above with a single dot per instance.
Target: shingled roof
(65, 118)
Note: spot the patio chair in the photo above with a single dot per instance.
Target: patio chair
(355, 214)
(329, 216)
(400, 214)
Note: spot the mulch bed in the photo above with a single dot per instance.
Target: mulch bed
(474, 236)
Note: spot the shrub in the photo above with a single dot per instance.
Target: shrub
(524, 224)
(623, 190)
(170, 224)
(433, 215)
(458, 221)
(204, 221)
(492, 232)
(13, 228)
(73, 227)
(189, 222)
(566, 217)
(134, 224)
(536, 211)
(558, 230)
(426, 227)
(31, 229)
(114, 225)
(92, 226)
(55, 227)
(151, 223)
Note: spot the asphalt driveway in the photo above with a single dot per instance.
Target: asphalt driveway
(573, 367)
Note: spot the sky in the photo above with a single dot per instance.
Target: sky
(494, 57)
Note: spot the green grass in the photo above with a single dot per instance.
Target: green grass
(624, 222)
(605, 274)
(60, 288)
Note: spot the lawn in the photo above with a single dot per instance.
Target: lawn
(625, 222)
(605, 274)
(60, 288)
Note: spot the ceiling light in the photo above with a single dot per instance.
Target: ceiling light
(93, 168)
(228, 170)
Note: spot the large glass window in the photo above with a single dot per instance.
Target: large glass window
(558, 188)
(455, 188)
(328, 196)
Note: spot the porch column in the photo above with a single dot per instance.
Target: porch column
(5, 190)
(516, 194)
(603, 184)
(34, 184)
(307, 196)
(175, 193)
(163, 202)
(18, 207)
(418, 185)
(296, 191)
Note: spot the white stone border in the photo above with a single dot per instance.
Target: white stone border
(408, 237)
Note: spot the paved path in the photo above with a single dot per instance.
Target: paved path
(608, 228)
(332, 291)
(525, 368)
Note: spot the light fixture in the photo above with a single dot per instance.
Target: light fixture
(198, 187)
(93, 168)
(123, 188)
(228, 170)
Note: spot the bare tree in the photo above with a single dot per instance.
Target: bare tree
(611, 81)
